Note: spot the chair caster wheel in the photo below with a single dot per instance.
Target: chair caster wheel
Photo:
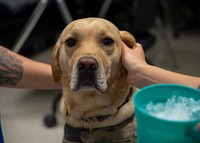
(50, 120)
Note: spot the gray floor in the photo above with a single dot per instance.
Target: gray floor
(22, 111)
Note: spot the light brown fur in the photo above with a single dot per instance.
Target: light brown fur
(86, 102)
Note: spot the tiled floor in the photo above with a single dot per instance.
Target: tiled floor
(22, 111)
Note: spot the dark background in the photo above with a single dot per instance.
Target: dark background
(135, 16)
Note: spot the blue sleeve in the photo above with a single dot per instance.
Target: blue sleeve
(1, 133)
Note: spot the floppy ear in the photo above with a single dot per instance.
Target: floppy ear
(128, 39)
(55, 65)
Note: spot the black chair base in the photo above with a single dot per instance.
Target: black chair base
(50, 119)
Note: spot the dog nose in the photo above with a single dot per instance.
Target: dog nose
(87, 63)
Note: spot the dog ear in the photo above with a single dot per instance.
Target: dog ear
(128, 39)
(55, 65)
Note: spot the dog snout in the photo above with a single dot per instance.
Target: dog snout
(87, 63)
(88, 75)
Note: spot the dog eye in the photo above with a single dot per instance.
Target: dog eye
(108, 41)
(70, 42)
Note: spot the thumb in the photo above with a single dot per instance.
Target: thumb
(125, 49)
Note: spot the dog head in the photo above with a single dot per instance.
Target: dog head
(88, 54)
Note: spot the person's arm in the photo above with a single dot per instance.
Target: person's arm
(141, 74)
(20, 72)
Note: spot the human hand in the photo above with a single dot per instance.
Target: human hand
(132, 59)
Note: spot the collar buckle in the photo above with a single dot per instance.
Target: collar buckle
(95, 119)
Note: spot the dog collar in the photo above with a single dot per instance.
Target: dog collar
(102, 117)
(73, 134)
(93, 119)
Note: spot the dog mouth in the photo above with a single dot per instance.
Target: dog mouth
(88, 76)
(87, 79)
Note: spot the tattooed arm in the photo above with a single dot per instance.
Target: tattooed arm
(21, 72)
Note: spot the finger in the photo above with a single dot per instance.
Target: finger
(125, 49)
(138, 45)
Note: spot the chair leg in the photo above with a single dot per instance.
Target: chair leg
(50, 119)
(104, 9)
(38, 11)
(64, 11)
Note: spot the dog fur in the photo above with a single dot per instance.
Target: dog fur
(87, 60)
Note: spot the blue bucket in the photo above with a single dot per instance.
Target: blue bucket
(152, 129)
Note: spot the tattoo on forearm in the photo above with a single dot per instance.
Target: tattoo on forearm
(11, 69)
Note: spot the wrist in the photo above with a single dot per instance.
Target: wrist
(137, 69)
(137, 76)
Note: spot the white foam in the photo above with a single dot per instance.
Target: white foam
(176, 108)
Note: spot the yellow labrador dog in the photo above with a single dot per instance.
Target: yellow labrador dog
(96, 97)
